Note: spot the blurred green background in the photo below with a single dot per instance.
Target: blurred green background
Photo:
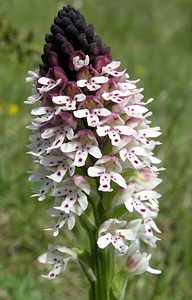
(153, 39)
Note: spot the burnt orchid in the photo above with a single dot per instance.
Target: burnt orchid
(93, 145)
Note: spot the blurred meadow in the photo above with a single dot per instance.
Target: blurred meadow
(153, 39)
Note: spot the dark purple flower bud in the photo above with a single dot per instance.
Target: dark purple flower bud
(70, 34)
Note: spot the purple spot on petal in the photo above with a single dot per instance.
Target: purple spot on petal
(105, 186)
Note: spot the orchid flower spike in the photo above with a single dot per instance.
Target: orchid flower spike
(94, 146)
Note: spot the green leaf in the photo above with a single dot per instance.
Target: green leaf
(87, 270)
(118, 285)
(112, 296)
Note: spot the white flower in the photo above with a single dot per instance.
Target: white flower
(79, 63)
(135, 110)
(147, 178)
(138, 262)
(46, 113)
(116, 96)
(97, 124)
(83, 143)
(107, 168)
(32, 99)
(92, 115)
(93, 83)
(60, 163)
(57, 135)
(149, 225)
(115, 132)
(64, 218)
(47, 84)
(139, 229)
(144, 202)
(33, 76)
(50, 138)
(144, 133)
(75, 189)
(68, 103)
(45, 184)
(57, 256)
(133, 151)
(128, 85)
(111, 69)
(110, 232)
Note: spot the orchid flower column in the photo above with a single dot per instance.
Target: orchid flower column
(93, 144)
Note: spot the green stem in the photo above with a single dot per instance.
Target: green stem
(102, 260)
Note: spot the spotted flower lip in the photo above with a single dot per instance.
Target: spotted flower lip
(63, 219)
(91, 135)
(83, 143)
(105, 168)
(47, 84)
(109, 233)
(75, 191)
(59, 257)
(93, 84)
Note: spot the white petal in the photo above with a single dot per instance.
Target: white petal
(57, 142)
(81, 113)
(151, 132)
(50, 160)
(104, 240)
(60, 99)
(105, 183)
(126, 86)
(95, 151)
(95, 171)
(101, 111)
(134, 160)
(125, 130)
(82, 200)
(46, 81)
(92, 120)
(102, 130)
(129, 204)
(49, 132)
(149, 223)
(92, 86)
(69, 147)
(100, 79)
(113, 65)
(54, 272)
(58, 175)
(140, 208)
(116, 73)
(69, 132)
(41, 110)
(127, 233)
(71, 222)
(62, 191)
(47, 258)
(153, 271)
(147, 194)
(79, 97)
(117, 178)
(80, 158)
(69, 202)
(81, 83)
(123, 154)
(119, 244)
(141, 151)
(114, 137)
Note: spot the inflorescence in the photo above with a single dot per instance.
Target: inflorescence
(91, 123)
